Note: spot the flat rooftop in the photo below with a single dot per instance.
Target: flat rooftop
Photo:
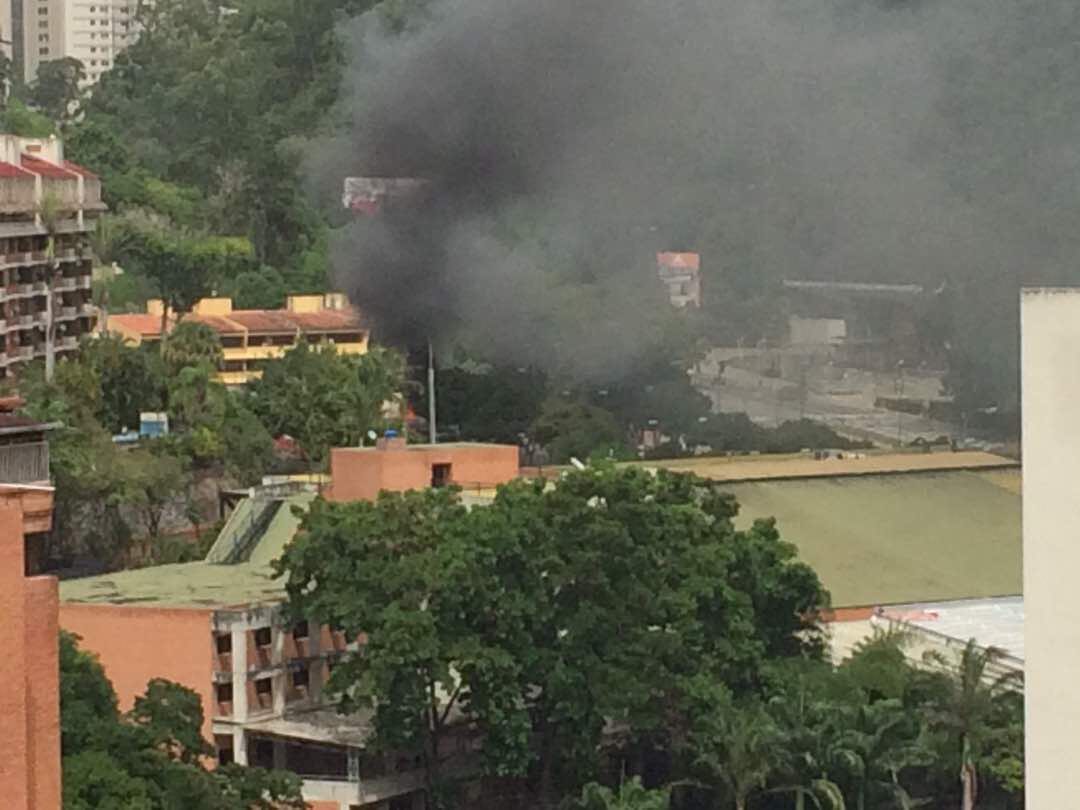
(991, 622)
(766, 467)
(899, 538)
(197, 584)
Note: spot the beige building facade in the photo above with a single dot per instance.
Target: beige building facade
(1050, 329)
(92, 31)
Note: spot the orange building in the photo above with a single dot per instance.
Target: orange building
(250, 337)
(217, 627)
(29, 667)
(360, 473)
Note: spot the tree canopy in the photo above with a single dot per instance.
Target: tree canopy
(517, 613)
(152, 757)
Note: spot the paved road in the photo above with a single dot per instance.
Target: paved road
(770, 404)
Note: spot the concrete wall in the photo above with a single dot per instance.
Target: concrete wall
(1050, 357)
(137, 644)
(360, 473)
(29, 701)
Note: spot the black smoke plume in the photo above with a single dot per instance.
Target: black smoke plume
(930, 141)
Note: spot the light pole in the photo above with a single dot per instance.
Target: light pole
(899, 403)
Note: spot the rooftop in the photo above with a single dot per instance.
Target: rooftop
(198, 584)
(769, 467)
(899, 538)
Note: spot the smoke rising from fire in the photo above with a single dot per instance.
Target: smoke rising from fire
(567, 141)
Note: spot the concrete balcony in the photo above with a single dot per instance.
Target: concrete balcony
(24, 463)
(67, 343)
(83, 283)
(40, 287)
(27, 320)
(67, 313)
(67, 283)
(68, 255)
(23, 353)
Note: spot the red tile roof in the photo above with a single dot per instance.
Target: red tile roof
(139, 322)
(282, 321)
(74, 167)
(691, 261)
(254, 321)
(46, 169)
(11, 170)
(222, 324)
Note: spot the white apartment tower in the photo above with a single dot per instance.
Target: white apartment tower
(92, 31)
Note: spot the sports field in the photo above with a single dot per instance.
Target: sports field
(914, 537)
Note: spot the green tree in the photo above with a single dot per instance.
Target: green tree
(248, 446)
(569, 429)
(129, 378)
(56, 91)
(191, 344)
(513, 616)
(495, 405)
(967, 704)
(152, 757)
(258, 289)
(324, 399)
(631, 795)
(735, 747)
(18, 119)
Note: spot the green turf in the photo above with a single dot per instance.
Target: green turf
(898, 538)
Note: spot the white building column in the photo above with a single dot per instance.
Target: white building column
(1050, 356)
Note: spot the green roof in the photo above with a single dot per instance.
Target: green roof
(873, 539)
(913, 537)
(198, 584)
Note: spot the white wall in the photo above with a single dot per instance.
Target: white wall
(1050, 358)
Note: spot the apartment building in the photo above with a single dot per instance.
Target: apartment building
(29, 667)
(92, 31)
(35, 177)
(251, 337)
(217, 626)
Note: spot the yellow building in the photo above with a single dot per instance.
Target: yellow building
(249, 337)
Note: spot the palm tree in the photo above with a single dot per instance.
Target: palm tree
(875, 742)
(736, 748)
(630, 796)
(966, 705)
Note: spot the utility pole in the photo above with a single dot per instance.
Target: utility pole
(432, 433)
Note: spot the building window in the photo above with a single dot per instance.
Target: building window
(301, 678)
(264, 693)
(224, 643)
(224, 745)
(440, 475)
(43, 51)
(300, 631)
(224, 694)
(263, 637)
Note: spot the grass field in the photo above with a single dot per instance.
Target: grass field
(886, 539)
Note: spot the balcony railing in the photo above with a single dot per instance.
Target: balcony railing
(66, 283)
(24, 463)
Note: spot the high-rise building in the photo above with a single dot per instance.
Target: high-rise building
(44, 200)
(92, 31)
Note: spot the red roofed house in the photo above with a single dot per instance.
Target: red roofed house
(681, 272)
(250, 337)
(35, 177)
